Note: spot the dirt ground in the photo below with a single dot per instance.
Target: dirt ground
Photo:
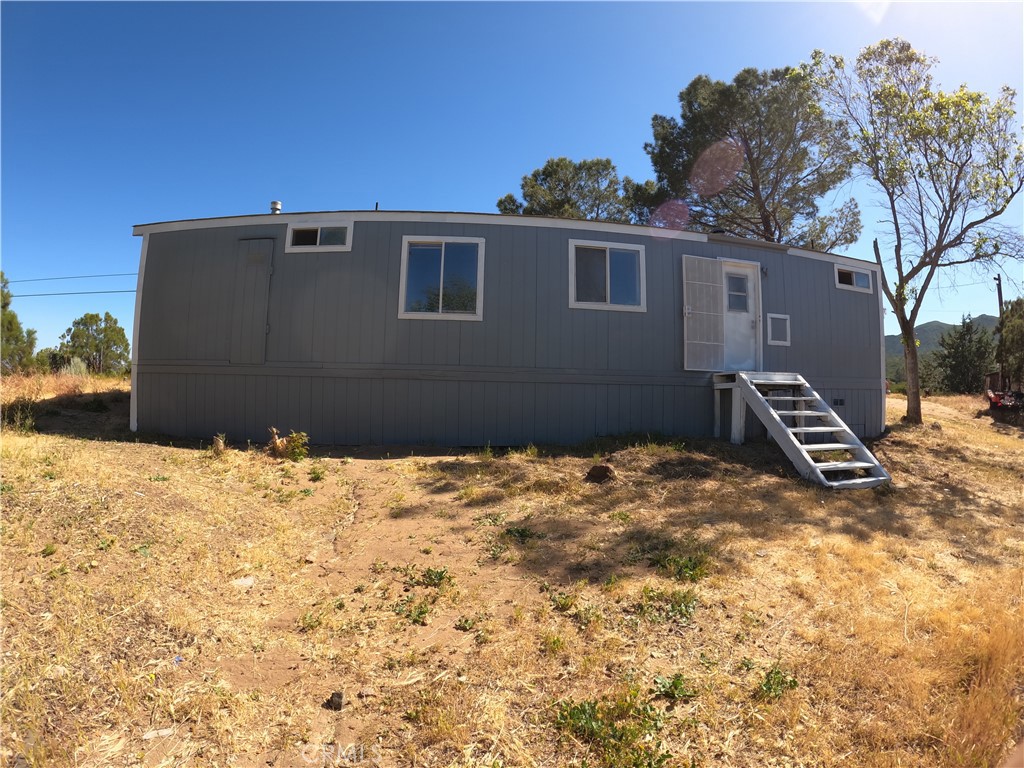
(168, 605)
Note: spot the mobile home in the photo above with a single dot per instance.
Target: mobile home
(385, 327)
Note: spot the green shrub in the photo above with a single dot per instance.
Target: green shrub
(775, 683)
(621, 732)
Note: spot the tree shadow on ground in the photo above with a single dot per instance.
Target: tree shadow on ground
(705, 497)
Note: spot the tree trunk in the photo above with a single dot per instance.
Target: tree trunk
(913, 377)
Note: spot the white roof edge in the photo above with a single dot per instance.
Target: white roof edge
(432, 217)
(440, 217)
(835, 258)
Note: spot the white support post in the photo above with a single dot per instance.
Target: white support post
(718, 413)
(739, 417)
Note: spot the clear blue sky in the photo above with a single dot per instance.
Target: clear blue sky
(124, 113)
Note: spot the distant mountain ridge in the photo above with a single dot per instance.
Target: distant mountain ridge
(930, 333)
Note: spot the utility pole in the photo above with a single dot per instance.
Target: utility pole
(999, 296)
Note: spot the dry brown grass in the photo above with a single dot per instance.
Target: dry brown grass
(179, 606)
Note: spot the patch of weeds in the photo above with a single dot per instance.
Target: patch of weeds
(633, 555)
(49, 475)
(657, 605)
(521, 534)
(620, 516)
(338, 603)
(675, 688)
(486, 454)
(588, 616)
(746, 664)
(48, 550)
(158, 478)
(306, 492)
(378, 566)
(621, 731)
(427, 550)
(317, 473)
(683, 568)
(6, 487)
(434, 577)
(491, 518)
(563, 602)
(298, 446)
(56, 573)
(468, 623)
(496, 548)
(105, 544)
(551, 644)
(415, 611)
(776, 682)
(143, 549)
(19, 415)
(706, 661)
(309, 621)
(467, 493)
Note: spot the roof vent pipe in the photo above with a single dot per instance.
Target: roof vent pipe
(275, 206)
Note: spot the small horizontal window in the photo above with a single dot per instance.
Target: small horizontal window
(607, 276)
(327, 238)
(853, 279)
(778, 330)
(442, 279)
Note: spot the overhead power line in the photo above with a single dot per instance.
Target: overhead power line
(72, 277)
(65, 293)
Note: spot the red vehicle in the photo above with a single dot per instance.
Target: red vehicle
(1001, 394)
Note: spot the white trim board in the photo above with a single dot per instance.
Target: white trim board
(133, 400)
(418, 217)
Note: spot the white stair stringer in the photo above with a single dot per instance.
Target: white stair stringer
(810, 415)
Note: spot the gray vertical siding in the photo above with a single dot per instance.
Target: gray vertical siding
(339, 364)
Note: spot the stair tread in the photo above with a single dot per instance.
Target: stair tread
(832, 466)
(790, 397)
(801, 430)
(784, 384)
(802, 413)
(860, 482)
(809, 447)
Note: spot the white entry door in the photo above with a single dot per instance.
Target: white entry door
(742, 316)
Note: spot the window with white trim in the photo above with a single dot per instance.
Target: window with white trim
(853, 279)
(778, 330)
(736, 288)
(607, 276)
(315, 238)
(442, 278)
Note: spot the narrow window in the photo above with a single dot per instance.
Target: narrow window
(778, 330)
(333, 236)
(737, 287)
(442, 279)
(853, 279)
(606, 276)
(303, 237)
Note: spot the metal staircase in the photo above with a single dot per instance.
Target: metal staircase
(822, 448)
